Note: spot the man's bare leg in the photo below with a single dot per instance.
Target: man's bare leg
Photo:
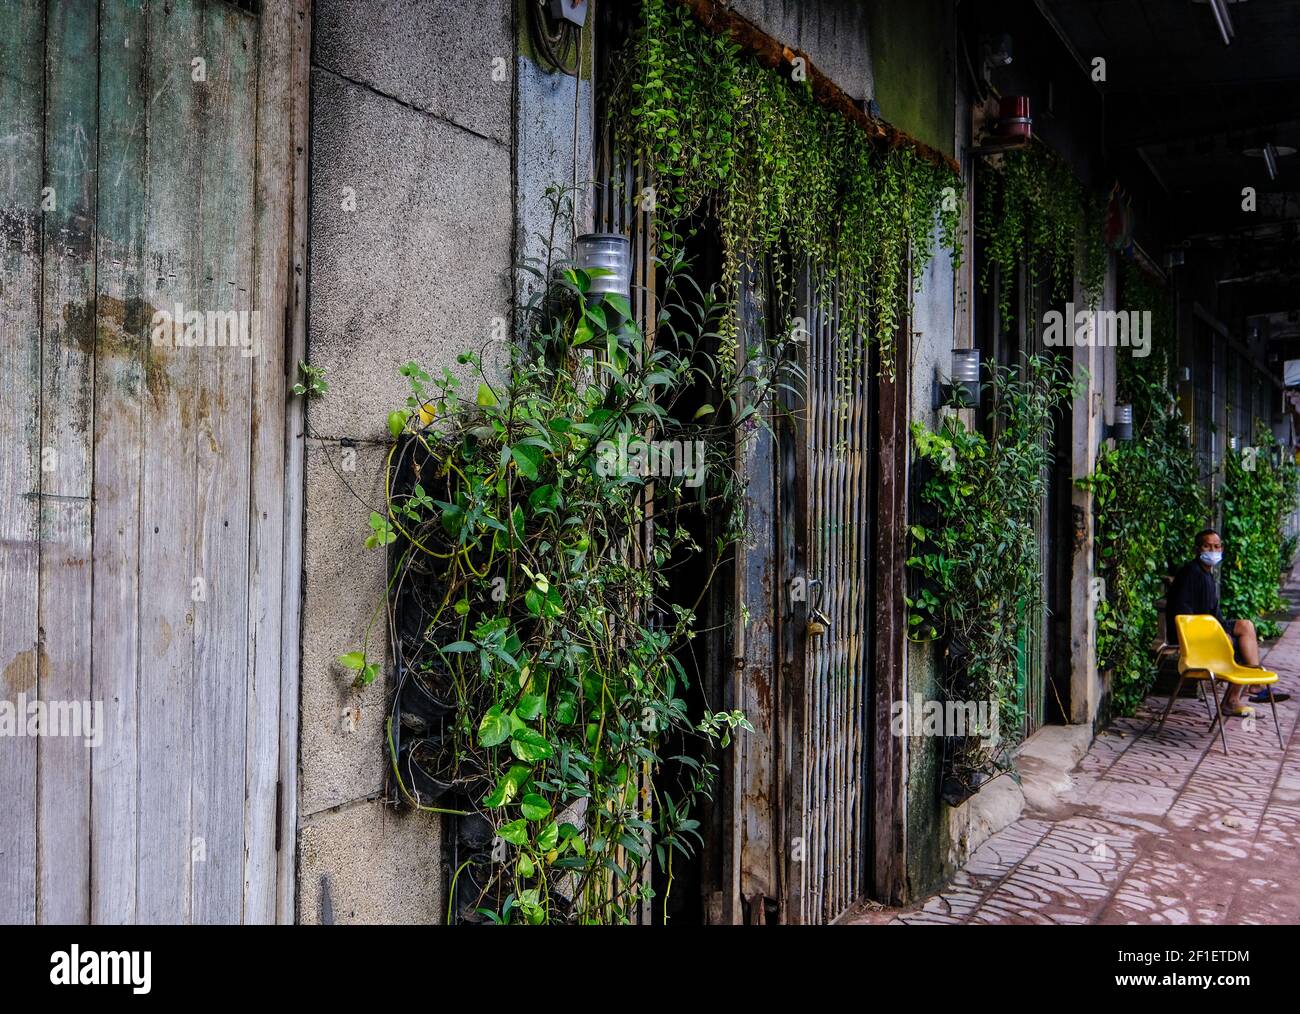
(1248, 641)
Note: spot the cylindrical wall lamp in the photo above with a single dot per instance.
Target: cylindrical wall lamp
(607, 257)
(1122, 427)
(963, 385)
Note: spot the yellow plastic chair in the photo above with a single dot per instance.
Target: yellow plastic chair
(1204, 649)
(1184, 676)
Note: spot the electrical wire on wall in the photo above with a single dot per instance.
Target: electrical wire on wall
(577, 122)
(557, 42)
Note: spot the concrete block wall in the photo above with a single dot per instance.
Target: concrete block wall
(411, 239)
(1093, 410)
(933, 337)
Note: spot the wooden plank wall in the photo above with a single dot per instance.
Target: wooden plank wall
(120, 328)
(149, 538)
(67, 400)
(22, 95)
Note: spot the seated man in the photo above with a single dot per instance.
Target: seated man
(1196, 592)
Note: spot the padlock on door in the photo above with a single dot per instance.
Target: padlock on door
(818, 621)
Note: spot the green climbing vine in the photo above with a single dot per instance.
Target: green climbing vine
(1033, 210)
(975, 571)
(1148, 504)
(542, 656)
(1259, 492)
(785, 177)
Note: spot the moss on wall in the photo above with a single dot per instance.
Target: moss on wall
(927, 817)
(911, 55)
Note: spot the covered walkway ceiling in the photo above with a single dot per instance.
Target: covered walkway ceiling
(1198, 113)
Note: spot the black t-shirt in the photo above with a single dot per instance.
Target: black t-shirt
(1194, 592)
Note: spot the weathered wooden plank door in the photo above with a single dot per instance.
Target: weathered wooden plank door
(147, 166)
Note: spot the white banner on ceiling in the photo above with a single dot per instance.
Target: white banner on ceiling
(1291, 373)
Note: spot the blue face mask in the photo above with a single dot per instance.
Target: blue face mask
(1212, 558)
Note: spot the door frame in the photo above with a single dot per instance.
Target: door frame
(289, 101)
(887, 775)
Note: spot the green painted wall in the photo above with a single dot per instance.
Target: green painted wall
(911, 45)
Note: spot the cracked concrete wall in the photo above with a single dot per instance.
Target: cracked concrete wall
(411, 239)
(934, 324)
(434, 137)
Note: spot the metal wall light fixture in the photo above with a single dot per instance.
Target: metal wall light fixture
(607, 256)
(1122, 427)
(1014, 121)
(963, 386)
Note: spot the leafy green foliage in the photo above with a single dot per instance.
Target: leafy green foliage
(367, 671)
(781, 173)
(1148, 504)
(1034, 211)
(975, 567)
(1258, 494)
(313, 383)
(542, 583)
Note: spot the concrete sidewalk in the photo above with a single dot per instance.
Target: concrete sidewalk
(1157, 828)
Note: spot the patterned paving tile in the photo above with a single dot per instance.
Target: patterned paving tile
(999, 855)
(1162, 889)
(1130, 798)
(954, 905)
(1162, 828)
(1266, 901)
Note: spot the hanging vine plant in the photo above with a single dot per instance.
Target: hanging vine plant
(725, 136)
(1032, 210)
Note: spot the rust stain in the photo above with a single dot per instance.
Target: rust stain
(20, 673)
(155, 375)
(110, 328)
(121, 324)
(205, 416)
(762, 688)
(164, 635)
